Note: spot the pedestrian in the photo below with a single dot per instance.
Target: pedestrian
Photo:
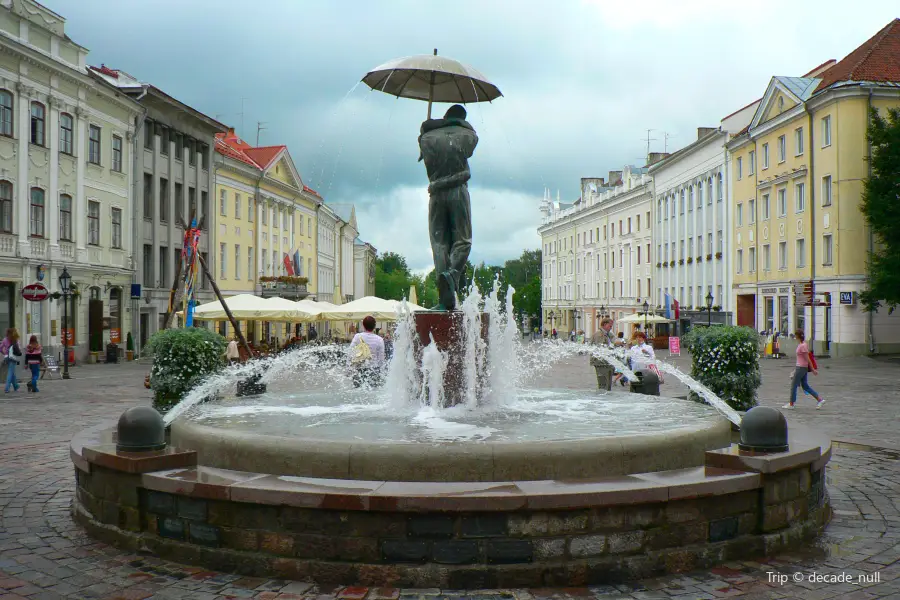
(33, 359)
(803, 367)
(11, 350)
(232, 354)
(366, 355)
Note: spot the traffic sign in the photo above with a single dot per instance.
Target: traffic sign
(35, 292)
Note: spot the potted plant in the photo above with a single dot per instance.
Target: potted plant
(680, 261)
(700, 259)
(709, 257)
(690, 259)
(671, 263)
(658, 265)
(717, 308)
(719, 255)
(96, 348)
(129, 347)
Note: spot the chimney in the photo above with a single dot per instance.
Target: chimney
(701, 131)
(615, 178)
(655, 157)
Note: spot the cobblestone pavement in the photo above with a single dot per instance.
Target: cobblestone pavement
(43, 554)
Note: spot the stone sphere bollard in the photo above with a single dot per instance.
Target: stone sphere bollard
(764, 429)
(141, 429)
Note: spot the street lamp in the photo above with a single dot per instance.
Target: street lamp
(709, 305)
(646, 310)
(65, 284)
(551, 315)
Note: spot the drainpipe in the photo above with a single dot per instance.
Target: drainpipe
(812, 223)
(871, 315)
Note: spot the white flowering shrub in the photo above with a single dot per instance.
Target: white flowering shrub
(726, 360)
(182, 358)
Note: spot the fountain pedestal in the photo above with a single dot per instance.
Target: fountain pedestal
(448, 331)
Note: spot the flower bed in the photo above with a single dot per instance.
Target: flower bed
(182, 358)
(726, 360)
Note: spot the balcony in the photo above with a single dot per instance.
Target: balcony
(292, 288)
(8, 245)
(39, 248)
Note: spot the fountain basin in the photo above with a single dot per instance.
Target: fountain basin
(251, 450)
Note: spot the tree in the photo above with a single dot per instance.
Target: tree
(392, 276)
(391, 261)
(881, 206)
(527, 300)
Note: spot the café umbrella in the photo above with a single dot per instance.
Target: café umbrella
(432, 78)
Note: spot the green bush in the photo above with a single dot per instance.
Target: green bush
(726, 360)
(129, 342)
(182, 358)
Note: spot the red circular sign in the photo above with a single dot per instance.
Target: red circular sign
(35, 292)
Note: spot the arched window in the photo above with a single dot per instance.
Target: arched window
(658, 210)
(115, 310)
(37, 212)
(699, 194)
(37, 123)
(6, 200)
(709, 196)
(65, 217)
(6, 113)
(681, 205)
(94, 293)
(719, 189)
(66, 134)
(691, 198)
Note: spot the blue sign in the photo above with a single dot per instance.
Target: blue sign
(848, 298)
(135, 291)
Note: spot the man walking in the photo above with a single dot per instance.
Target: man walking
(446, 146)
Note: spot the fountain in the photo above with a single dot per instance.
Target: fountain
(467, 468)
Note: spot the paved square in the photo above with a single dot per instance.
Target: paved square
(43, 554)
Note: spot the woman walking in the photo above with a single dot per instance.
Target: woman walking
(33, 360)
(10, 345)
(802, 369)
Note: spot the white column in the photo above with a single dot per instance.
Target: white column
(715, 247)
(696, 267)
(79, 214)
(24, 132)
(51, 203)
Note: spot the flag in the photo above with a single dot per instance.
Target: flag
(297, 262)
(668, 306)
(677, 306)
(288, 267)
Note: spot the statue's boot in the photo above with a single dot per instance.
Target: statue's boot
(446, 290)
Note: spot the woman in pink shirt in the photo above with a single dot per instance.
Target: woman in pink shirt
(804, 366)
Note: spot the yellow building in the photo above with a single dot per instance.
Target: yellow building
(264, 225)
(797, 177)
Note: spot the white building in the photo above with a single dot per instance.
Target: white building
(364, 255)
(347, 232)
(66, 176)
(328, 248)
(596, 252)
(691, 225)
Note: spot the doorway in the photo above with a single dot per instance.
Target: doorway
(827, 296)
(95, 321)
(145, 329)
(746, 310)
(769, 304)
(7, 306)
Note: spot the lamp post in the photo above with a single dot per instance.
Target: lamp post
(65, 284)
(709, 305)
(551, 315)
(646, 311)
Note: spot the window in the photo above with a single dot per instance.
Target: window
(739, 261)
(284, 219)
(765, 156)
(740, 168)
(782, 255)
(117, 228)
(752, 260)
(739, 217)
(250, 210)
(223, 256)
(309, 227)
(690, 247)
(798, 140)
(148, 266)
(237, 205)
(148, 196)
(691, 199)
(612, 257)
(37, 212)
(204, 283)
(719, 190)
(179, 146)
(826, 131)
(638, 255)
(179, 202)
(222, 202)
(709, 243)
(265, 215)
(192, 154)
(826, 190)
(752, 211)
(782, 202)
(163, 266)
(192, 203)
(800, 197)
(116, 154)
(751, 163)
(827, 250)
(6, 199)
(681, 204)
(148, 135)
(659, 213)
(37, 123)
(237, 261)
(782, 148)
(250, 269)
(6, 113)
(765, 207)
(673, 206)
(204, 156)
(800, 250)
(720, 241)
(163, 200)
(699, 195)
(65, 217)
(66, 133)
(767, 258)
(681, 250)
(94, 145)
(204, 206)
(699, 245)
(94, 223)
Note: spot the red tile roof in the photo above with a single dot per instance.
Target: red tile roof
(264, 155)
(311, 191)
(877, 60)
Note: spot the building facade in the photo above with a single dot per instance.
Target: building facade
(364, 255)
(65, 179)
(597, 252)
(172, 161)
(801, 240)
(265, 225)
(327, 268)
(691, 231)
(347, 233)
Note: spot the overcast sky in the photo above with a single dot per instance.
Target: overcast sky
(582, 82)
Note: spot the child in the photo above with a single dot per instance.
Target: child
(33, 360)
